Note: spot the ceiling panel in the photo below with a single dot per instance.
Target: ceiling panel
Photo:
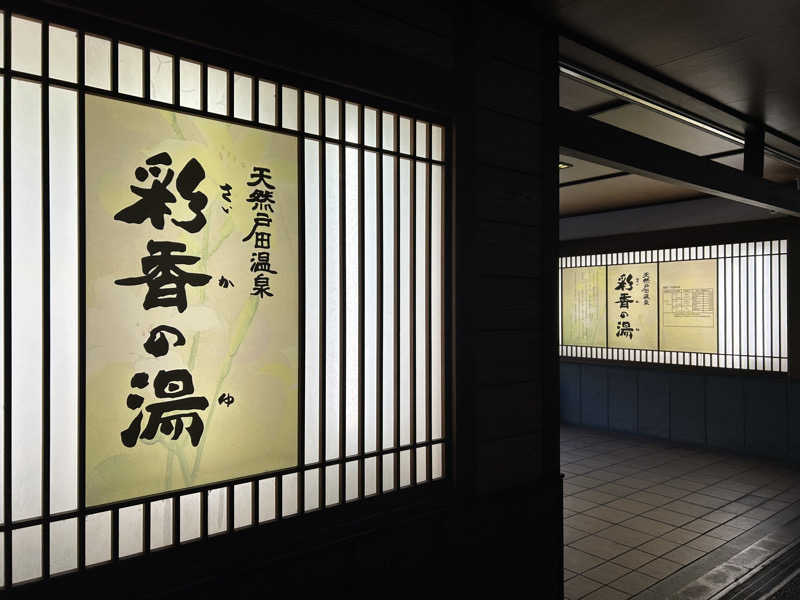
(581, 169)
(664, 129)
(618, 192)
(575, 95)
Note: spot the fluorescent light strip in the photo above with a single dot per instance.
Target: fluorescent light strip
(652, 105)
(733, 137)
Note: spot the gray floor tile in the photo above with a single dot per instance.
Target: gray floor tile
(658, 546)
(579, 586)
(577, 561)
(631, 506)
(680, 535)
(586, 523)
(699, 525)
(633, 559)
(607, 593)
(624, 535)
(706, 543)
(648, 526)
(607, 572)
(634, 582)
(684, 555)
(606, 513)
(660, 568)
(599, 546)
(725, 532)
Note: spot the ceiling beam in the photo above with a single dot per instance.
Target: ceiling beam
(595, 141)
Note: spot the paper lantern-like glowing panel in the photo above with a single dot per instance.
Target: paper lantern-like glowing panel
(584, 306)
(633, 306)
(191, 301)
(689, 306)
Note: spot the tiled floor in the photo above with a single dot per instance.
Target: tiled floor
(637, 511)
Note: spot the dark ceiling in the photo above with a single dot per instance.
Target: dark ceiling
(729, 62)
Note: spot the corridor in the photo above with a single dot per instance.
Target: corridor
(649, 519)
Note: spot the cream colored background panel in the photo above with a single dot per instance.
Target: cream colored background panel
(236, 343)
(633, 306)
(584, 306)
(688, 297)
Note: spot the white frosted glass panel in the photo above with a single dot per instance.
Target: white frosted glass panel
(190, 517)
(422, 468)
(720, 305)
(26, 560)
(759, 306)
(437, 465)
(370, 300)
(370, 127)
(98, 538)
(288, 107)
(420, 301)
(2, 319)
(242, 97)
(64, 297)
(405, 135)
(437, 307)
(190, 84)
(388, 472)
(405, 468)
(217, 90)
(735, 304)
(63, 545)
(311, 490)
(242, 504)
(388, 300)
(405, 301)
(387, 127)
(351, 122)
(352, 300)
(776, 310)
(437, 143)
(311, 113)
(130, 530)
(130, 70)
(97, 67)
(422, 139)
(266, 102)
(160, 523)
(351, 481)
(332, 485)
(332, 118)
(289, 496)
(370, 476)
(161, 77)
(332, 301)
(312, 317)
(768, 293)
(784, 309)
(26, 45)
(217, 510)
(26, 299)
(751, 306)
(266, 500)
(63, 53)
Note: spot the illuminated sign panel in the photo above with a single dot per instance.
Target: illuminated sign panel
(633, 306)
(584, 315)
(191, 301)
(689, 306)
(721, 305)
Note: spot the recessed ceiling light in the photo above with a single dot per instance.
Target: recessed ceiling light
(564, 165)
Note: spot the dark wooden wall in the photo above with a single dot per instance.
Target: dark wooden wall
(492, 74)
